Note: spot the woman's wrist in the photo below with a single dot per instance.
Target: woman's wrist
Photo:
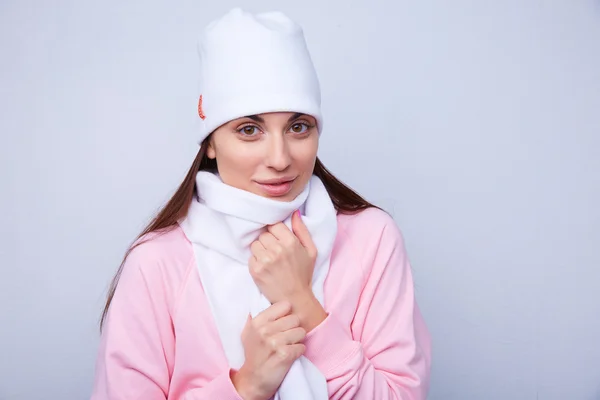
(309, 310)
(243, 385)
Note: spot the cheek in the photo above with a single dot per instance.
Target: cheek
(306, 153)
(236, 165)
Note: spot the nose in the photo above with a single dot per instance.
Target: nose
(278, 153)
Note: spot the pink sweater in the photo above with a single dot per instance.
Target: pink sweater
(160, 341)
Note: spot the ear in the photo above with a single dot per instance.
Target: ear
(210, 151)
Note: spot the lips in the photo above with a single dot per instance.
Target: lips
(276, 187)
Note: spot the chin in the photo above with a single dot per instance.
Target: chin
(284, 198)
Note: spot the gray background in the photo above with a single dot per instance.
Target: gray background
(475, 123)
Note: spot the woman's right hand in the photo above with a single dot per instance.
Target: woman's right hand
(272, 342)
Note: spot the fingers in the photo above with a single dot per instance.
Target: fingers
(280, 232)
(258, 250)
(286, 323)
(283, 331)
(291, 352)
(273, 243)
(277, 334)
(285, 339)
(301, 232)
(289, 337)
(283, 324)
(268, 240)
(273, 313)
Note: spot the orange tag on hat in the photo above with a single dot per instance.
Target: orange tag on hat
(200, 111)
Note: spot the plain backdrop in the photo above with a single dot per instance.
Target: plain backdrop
(475, 123)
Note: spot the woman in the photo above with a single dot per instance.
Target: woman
(264, 276)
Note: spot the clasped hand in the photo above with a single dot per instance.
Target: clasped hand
(282, 266)
(283, 261)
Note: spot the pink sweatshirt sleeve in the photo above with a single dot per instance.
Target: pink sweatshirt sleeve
(387, 353)
(136, 352)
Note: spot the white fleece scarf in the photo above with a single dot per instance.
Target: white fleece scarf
(222, 223)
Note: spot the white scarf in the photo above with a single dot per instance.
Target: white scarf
(222, 222)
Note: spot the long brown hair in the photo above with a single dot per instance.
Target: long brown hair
(345, 200)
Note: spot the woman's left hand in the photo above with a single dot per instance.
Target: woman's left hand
(283, 261)
(282, 266)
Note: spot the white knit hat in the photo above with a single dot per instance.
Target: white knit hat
(252, 64)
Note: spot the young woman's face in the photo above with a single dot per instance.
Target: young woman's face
(272, 155)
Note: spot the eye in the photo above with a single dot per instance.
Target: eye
(299, 127)
(249, 130)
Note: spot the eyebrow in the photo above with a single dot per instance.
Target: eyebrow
(255, 118)
(260, 119)
(295, 116)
